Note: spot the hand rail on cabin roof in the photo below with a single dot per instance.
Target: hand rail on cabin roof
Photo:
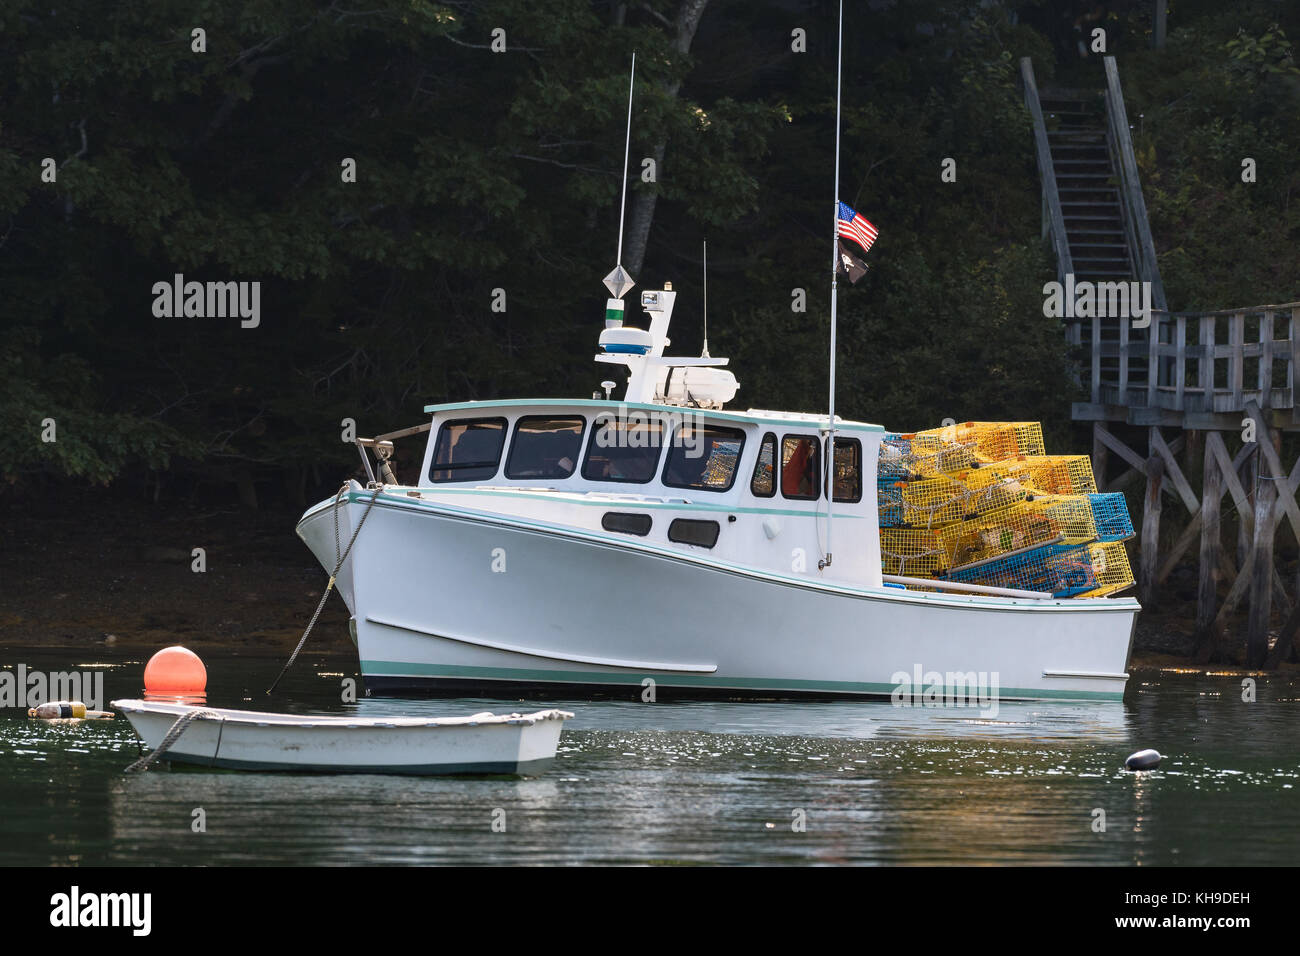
(404, 432)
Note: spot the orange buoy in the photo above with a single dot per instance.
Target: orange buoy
(175, 670)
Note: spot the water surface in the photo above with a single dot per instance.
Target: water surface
(686, 783)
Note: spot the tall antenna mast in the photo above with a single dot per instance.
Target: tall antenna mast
(829, 472)
(618, 281)
(705, 352)
(627, 154)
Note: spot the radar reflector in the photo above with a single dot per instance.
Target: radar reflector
(618, 282)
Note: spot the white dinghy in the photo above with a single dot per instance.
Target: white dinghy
(251, 740)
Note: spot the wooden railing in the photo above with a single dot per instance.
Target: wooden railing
(1053, 217)
(1132, 206)
(1208, 362)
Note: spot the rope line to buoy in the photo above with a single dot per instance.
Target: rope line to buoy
(221, 732)
(172, 735)
(340, 557)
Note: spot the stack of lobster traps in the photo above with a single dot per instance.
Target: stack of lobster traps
(983, 503)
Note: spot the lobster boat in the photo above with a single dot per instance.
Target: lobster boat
(661, 543)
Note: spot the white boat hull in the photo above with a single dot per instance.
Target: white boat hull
(250, 740)
(446, 599)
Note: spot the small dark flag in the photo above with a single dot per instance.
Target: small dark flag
(849, 263)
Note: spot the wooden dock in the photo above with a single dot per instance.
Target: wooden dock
(1216, 388)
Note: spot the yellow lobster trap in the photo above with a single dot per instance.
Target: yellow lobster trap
(1047, 519)
(913, 552)
(1042, 474)
(933, 502)
(993, 441)
(911, 457)
(1110, 568)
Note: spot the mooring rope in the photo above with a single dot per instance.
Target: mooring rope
(340, 557)
(172, 735)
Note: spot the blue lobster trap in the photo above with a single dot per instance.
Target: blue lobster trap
(1057, 569)
(1110, 513)
(889, 501)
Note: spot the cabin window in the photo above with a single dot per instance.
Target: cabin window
(800, 467)
(468, 449)
(703, 457)
(763, 484)
(848, 470)
(545, 447)
(626, 523)
(623, 449)
(689, 531)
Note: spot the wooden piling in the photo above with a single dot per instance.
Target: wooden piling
(1261, 575)
(1207, 598)
(1100, 456)
(1192, 451)
(1249, 471)
(1149, 559)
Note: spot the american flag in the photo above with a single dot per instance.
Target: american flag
(852, 225)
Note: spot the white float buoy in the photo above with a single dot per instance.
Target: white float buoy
(66, 710)
(1143, 760)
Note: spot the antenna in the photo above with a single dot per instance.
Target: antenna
(618, 282)
(705, 352)
(828, 473)
(627, 153)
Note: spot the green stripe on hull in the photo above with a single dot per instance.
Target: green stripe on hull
(525, 675)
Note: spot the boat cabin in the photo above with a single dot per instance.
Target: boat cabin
(740, 487)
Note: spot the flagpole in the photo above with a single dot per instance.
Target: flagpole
(829, 472)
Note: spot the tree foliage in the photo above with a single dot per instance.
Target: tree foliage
(480, 170)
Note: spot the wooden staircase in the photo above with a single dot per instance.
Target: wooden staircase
(1085, 182)
(1096, 220)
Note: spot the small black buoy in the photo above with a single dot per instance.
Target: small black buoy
(1143, 760)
